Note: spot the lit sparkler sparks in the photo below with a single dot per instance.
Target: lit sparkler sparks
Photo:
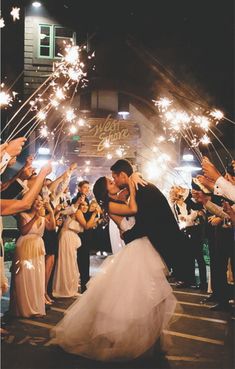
(73, 129)
(44, 131)
(15, 13)
(41, 115)
(217, 114)
(163, 103)
(205, 140)
(70, 116)
(5, 98)
(2, 23)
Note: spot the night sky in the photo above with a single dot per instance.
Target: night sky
(193, 39)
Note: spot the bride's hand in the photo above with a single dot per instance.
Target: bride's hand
(138, 180)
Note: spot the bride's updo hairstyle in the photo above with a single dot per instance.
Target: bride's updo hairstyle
(101, 193)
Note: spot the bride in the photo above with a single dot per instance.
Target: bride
(128, 303)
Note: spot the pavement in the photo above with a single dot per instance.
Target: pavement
(200, 338)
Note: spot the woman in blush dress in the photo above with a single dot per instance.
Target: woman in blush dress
(28, 267)
(128, 303)
(66, 276)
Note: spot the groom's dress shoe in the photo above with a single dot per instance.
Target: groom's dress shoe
(208, 299)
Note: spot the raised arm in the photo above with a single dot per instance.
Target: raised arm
(50, 218)
(9, 207)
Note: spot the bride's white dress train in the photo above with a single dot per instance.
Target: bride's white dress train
(125, 309)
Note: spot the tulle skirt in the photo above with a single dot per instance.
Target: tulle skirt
(125, 309)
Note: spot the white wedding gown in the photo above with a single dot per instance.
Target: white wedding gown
(125, 309)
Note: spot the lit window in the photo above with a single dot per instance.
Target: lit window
(52, 40)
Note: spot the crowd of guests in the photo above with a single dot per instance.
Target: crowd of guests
(206, 214)
(57, 233)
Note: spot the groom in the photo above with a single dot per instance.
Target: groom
(155, 220)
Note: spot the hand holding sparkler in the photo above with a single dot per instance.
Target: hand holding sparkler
(210, 170)
(206, 182)
(229, 210)
(73, 166)
(46, 169)
(3, 149)
(14, 147)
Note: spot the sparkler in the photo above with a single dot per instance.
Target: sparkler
(193, 128)
(2, 23)
(15, 13)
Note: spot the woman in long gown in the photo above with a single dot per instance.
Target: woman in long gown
(66, 276)
(28, 267)
(128, 303)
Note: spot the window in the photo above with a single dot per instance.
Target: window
(52, 40)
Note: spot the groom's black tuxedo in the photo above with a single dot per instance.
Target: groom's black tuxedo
(155, 220)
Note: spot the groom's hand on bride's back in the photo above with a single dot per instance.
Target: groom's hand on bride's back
(138, 180)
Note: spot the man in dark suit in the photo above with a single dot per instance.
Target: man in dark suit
(155, 220)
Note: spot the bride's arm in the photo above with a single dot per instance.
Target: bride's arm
(125, 209)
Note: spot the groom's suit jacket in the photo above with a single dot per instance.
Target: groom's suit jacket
(155, 220)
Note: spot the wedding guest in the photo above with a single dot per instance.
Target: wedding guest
(28, 267)
(87, 221)
(83, 191)
(66, 276)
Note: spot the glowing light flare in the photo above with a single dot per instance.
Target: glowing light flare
(163, 103)
(120, 152)
(59, 94)
(153, 171)
(107, 144)
(72, 54)
(217, 114)
(70, 116)
(55, 103)
(44, 131)
(73, 129)
(202, 121)
(109, 156)
(205, 140)
(2, 23)
(5, 98)
(28, 264)
(81, 122)
(41, 115)
(15, 13)
(161, 139)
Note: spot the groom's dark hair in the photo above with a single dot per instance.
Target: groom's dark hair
(122, 165)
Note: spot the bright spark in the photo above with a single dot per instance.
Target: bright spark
(81, 122)
(2, 23)
(41, 115)
(205, 140)
(44, 131)
(217, 114)
(15, 13)
(5, 98)
(59, 94)
(72, 54)
(70, 115)
(163, 103)
(73, 129)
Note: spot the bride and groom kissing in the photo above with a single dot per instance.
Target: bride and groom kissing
(130, 296)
